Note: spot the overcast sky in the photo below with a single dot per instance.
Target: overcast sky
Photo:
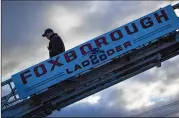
(77, 22)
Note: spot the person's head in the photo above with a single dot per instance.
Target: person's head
(48, 32)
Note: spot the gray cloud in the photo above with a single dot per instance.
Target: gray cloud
(9, 66)
(170, 70)
(101, 109)
(161, 109)
(109, 13)
(21, 33)
(118, 109)
(166, 74)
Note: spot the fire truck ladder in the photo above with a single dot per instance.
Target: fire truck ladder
(70, 91)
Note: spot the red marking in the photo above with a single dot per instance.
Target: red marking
(44, 70)
(118, 32)
(55, 63)
(158, 17)
(23, 77)
(135, 29)
(101, 41)
(82, 48)
(69, 56)
(148, 22)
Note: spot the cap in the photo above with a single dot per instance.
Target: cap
(47, 31)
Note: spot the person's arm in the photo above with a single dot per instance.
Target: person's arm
(62, 45)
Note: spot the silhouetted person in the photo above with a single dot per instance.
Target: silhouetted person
(56, 45)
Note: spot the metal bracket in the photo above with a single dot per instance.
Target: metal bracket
(158, 60)
(176, 6)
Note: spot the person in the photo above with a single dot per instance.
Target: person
(56, 45)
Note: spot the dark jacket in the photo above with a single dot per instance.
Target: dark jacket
(56, 45)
